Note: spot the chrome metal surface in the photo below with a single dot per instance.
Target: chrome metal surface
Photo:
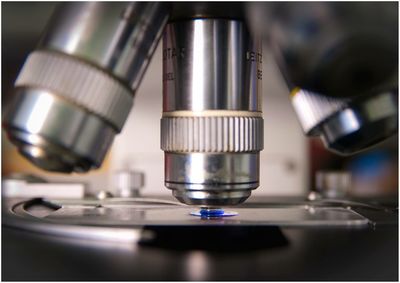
(312, 109)
(347, 126)
(211, 64)
(212, 133)
(362, 124)
(212, 168)
(335, 56)
(212, 179)
(20, 217)
(75, 91)
(128, 183)
(333, 184)
(212, 127)
(102, 195)
(117, 36)
(121, 215)
(55, 134)
(313, 195)
(84, 85)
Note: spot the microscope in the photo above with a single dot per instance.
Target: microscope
(76, 89)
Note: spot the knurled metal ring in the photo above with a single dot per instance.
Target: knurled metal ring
(79, 83)
(211, 134)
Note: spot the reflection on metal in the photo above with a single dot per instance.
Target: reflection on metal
(313, 108)
(38, 114)
(124, 214)
(75, 91)
(212, 126)
(68, 138)
(104, 195)
(333, 184)
(19, 216)
(212, 179)
(128, 183)
(363, 123)
(312, 196)
(196, 265)
(347, 126)
(341, 61)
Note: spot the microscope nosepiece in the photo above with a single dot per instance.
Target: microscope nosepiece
(212, 126)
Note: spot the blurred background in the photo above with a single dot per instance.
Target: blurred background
(289, 160)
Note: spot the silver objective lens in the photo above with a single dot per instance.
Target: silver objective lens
(347, 126)
(212, 126)
(76, 89)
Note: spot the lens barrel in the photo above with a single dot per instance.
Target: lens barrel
(212, 126)
(76, 89)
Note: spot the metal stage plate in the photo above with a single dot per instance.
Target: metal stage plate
(143, 212)
(131, 216)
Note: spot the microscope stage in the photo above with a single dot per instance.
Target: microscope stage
(125, 232)
(166, 215)
(89, 218)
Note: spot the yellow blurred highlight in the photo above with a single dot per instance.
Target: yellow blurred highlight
(294, 92)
